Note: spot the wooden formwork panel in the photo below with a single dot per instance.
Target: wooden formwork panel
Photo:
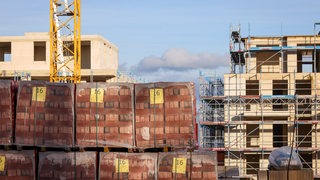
(45, 114)
(165, 115)
(133, 166)
(187, 165)
(67, 165)
(17, 165)
(105, 114)
(6, 111)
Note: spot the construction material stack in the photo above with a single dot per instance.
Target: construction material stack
(45, 114)
(16, 165)
(190, 165)
(105, 115)
(115, 165)
(67, 165)
(165, 115)
(101, 131)
(6, 112)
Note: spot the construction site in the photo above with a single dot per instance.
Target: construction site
(67, 112)
(268, 100)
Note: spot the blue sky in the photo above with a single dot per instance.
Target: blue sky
(170, 40)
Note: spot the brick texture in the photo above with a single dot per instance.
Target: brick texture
(165, 115)
(140, 166)
(71, 165)
(105, 115)
(199, 166)
(46, 117)
(6, 111)
(18, 165)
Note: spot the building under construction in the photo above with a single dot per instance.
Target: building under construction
(28, 57)
(269, 100)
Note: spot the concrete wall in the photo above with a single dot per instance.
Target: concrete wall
(102, 54)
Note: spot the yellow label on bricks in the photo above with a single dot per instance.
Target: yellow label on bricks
(156, 96)
(122, 165)
(39, 94)
(179, 165)
(2, 162)
(96, 95)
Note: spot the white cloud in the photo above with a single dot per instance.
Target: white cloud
(179, 59)
(172, 76)
(177, 65)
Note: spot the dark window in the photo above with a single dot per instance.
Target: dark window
(5, 51)
(39, 51)
(280, 135)
(303, 87)
(252, 87)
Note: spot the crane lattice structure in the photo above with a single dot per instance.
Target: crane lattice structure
(65, 41)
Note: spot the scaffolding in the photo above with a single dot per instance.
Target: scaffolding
(270, 100)
(211, 112)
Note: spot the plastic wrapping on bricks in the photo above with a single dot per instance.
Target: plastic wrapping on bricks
(6, 112)
(165, 115)
(71, 165)
(105, 115)
(133, 166)
(179, 112)
(198, 165)
(45, 114)
(16, 165)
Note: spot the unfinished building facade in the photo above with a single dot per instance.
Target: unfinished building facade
(270, 100)
(29, 56)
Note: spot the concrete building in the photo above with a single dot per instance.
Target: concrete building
(270, 100)
(30, 54)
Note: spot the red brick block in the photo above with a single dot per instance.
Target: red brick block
(104, 118)
(165, 115)
(195, 165)
(133, 166)
(6, 111)
(17, 165)
(46, 116)
(72, 165)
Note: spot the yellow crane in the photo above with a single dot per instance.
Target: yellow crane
(65, 41)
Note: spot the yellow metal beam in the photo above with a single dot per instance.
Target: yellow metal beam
(65, 41)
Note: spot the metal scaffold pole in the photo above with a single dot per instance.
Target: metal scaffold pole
(315, 93)
(273, 102)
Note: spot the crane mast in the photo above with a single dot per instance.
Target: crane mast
(65, 41)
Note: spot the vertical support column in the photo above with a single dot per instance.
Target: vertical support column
(65, 41)
(315, 94)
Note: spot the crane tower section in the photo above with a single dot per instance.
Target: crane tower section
(65, 41)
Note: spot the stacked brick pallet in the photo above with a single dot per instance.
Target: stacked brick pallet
(44, 114)
(140, 116)
(187, 165)
(162, 166)
(165, 115)
(46, 118)
(17, 165)
(67, 165)
(132, 166)
(105, 115)
(6, 112)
